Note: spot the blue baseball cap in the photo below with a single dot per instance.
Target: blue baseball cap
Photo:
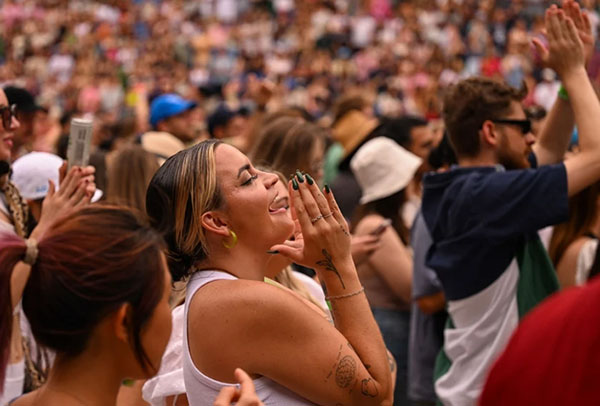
(168, 105)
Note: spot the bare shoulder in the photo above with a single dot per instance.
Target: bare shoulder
(572, 251)
(567, 266)
(237, 295)
(245, 305)
(237, 323)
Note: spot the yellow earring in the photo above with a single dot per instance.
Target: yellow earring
(234, 240)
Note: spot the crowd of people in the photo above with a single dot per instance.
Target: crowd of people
(300, 203)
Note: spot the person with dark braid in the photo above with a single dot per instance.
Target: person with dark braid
(25, 370)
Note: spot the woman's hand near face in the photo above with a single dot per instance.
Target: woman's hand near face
(324, 241)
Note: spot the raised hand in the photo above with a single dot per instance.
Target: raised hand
(583, 25)
(325, 244)
(565, 52)
(77, 188)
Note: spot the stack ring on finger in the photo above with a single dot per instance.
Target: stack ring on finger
(328, 215)
(319, 217)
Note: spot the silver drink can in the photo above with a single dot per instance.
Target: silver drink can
(80, 140)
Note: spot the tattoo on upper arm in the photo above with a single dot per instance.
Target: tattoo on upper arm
(345, 372)
(368, 388)
(328, 265)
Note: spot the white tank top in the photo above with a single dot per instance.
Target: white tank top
(202, 390)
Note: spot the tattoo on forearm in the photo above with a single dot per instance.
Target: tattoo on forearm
(368, 388)
(328, 265)
(392, 362)
(345, 372)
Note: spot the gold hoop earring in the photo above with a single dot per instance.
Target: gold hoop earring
(234, 240)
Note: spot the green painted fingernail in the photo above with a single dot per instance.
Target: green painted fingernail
(327, 189)
(299, 176)
(272, 252)
(309, 179)
(128, 382)
(294, 184)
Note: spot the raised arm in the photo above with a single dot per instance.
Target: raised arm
(565, 55)
(349, 362)
(269, 332)
(555, 135)
(77, 188)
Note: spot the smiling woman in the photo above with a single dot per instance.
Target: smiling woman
(224, 225)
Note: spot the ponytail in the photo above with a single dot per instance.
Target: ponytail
(12, 250)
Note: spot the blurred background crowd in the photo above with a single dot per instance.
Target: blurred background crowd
(109, 59)
(349, 91)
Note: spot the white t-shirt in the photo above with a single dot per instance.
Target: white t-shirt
(585, 260)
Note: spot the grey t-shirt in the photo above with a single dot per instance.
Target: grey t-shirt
(426, 331)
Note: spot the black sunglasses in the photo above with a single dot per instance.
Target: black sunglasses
(524, 125)
(7, 113)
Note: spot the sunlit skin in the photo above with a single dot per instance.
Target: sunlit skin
(249, 195)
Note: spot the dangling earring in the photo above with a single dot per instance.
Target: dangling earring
(234, 240)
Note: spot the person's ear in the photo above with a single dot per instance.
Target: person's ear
(489, 134)
(120, 322)
(216, 222)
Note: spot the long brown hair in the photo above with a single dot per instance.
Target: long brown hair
(583, 211)
(129, 175)
(286, 144)
(89, 264)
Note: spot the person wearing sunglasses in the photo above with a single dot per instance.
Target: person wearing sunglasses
(484, 214)
(22, 105)
(24, 372)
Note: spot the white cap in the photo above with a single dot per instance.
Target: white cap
(31, 174)
(382, 168)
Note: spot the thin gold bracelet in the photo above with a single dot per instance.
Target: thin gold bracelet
(358, 292)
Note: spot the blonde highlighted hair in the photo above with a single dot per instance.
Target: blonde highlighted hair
(183, 189)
